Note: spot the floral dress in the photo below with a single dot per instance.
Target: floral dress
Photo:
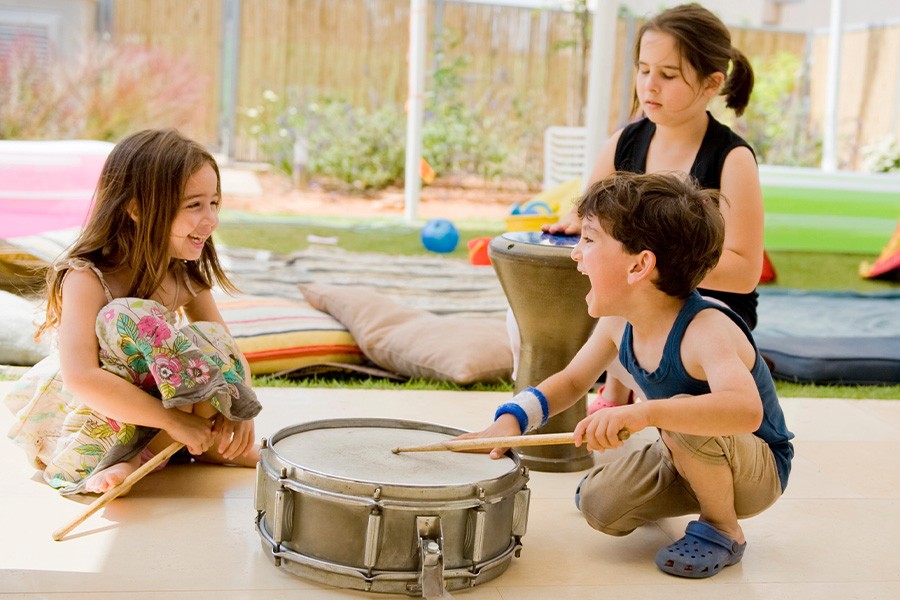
(140, 341)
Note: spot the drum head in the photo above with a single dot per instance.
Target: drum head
(540, 238)
(363, 453)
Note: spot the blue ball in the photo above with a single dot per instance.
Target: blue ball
(440, 235)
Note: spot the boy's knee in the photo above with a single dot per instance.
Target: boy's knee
(601, 509)
(607, 528)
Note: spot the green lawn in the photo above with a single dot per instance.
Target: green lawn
(795, 269)
(389, 236)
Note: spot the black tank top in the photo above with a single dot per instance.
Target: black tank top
(719, 140)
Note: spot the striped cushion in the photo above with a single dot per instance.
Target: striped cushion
(276, 334)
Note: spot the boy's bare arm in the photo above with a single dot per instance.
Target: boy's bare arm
(716, 350)
(564, 388)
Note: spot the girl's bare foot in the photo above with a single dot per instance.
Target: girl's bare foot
(103, 481)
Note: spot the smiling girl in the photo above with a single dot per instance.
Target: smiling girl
(144, 355)
(684, 59)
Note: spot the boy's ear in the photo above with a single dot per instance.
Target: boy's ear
(642, 267)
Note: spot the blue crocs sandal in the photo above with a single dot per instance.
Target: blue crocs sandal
(702, 552)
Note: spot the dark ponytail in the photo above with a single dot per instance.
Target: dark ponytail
(739, 84)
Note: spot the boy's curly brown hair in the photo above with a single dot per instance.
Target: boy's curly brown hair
(667, 214)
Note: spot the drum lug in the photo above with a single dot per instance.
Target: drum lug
(478, 538)
(283, 518)
(520, 512)
(431, 557)
(373, 531)
(259, 496)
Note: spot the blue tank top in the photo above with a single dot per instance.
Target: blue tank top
(671, 379)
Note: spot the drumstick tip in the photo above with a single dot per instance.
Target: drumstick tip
(395, 450)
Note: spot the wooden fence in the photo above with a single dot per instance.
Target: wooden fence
(357, 49)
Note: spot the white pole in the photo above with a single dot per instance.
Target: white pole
(832, 89)
(600, 82)
(414, 107)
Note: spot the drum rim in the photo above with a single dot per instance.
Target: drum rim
(510, 237)
(336, 423)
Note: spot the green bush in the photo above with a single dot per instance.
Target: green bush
(497, 136)
(327, 136)
(776, 123)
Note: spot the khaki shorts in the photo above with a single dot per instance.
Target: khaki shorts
(644, 486)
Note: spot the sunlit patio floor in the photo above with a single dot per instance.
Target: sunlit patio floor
(188, 531)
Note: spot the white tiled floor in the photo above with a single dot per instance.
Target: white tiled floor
(187, 532)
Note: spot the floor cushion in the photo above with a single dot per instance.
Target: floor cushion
(414, 342)
(830, 337)
(278, 335)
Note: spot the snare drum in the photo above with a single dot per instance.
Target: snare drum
(334, 504)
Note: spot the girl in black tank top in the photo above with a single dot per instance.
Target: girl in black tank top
(684, 58)
(719, 140)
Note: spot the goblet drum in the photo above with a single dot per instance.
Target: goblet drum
(546, 294)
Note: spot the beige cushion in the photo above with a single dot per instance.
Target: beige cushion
(414, 342)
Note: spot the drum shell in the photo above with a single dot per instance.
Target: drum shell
(546, 294)
(362, 532)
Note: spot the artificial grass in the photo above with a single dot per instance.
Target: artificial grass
(824, 271)
(284, 235)
(784, 389)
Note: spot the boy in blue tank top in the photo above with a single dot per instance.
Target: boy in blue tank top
(724, 451)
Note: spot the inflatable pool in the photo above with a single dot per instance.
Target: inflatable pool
(46, 185)
(810, 210)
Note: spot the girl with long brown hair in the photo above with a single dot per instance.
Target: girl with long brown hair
(144, 357)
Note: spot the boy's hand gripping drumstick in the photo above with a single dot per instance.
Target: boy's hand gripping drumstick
(118, 490)
(513, 441)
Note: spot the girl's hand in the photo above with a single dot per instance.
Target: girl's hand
(569, 224)
(235, 438)
(193, 431)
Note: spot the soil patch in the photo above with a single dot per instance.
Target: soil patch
(446, 198)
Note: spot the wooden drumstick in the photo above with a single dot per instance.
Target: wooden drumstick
(118, 490)
(513, 441)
